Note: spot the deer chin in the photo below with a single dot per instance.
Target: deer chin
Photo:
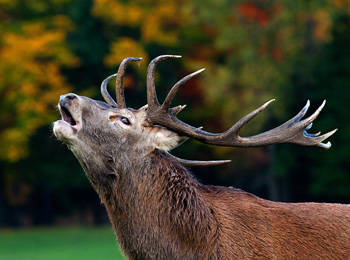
(63, 130)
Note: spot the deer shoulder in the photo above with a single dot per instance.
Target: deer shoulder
(158, 210)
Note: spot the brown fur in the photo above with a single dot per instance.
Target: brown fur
(159, 211)
(167, 214)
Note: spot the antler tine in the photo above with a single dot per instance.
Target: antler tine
(152, 99)
(292, 131)
(119, 89)
(304, 138)
(169, 98)
(233, 131)
(197, 163)
(105, 93)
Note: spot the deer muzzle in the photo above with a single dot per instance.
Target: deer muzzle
(70, 123)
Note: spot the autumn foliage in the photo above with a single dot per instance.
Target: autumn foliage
(32, 58)
(252, 51)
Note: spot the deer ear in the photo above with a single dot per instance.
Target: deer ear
(167, 140)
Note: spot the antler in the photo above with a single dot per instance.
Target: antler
(119, 89)
(121, 104)
(292, 131)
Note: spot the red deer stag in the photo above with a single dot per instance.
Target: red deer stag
(160, 211)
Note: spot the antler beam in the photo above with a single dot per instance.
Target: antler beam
(119, 89)
(292, 131)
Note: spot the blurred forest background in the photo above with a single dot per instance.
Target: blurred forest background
(253, 51)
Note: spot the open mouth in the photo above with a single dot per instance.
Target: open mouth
(69, 125)
(67, 116)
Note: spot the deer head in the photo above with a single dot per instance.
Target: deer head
(106, 136)
(158, 210)
(109, 132)
(87, 124)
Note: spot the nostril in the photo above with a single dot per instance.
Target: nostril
(70, 97)
(67, 99)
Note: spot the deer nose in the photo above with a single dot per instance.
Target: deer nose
(67, 99)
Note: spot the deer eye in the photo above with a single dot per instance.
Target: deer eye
(125, 120)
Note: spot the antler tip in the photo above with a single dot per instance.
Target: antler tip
(166, 56)
(308, 127)
(325, 146)
(133, 58)
(332, 132)
(325, 136)
(267, 103)
(200, 71)
(177, 109)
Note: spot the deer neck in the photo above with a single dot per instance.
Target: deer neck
(158, 200)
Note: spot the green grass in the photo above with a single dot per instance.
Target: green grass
(59, 244)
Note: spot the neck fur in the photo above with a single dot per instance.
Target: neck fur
(159, 201)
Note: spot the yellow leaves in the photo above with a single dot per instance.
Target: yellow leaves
(323, 25)
(28, 88)
(323, 18)
(13, 144)
(161, 23)
(62, 22)
(115, 12)
(125, 47)
(157, 21)
(31, 82)
(342, 3)
(35, 42)
(7, 2)
(152, 31)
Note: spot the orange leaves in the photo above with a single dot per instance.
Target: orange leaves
(125, 47)
(31, 81)
(157, 22)
(114, 12)
(342, 3)
(323, 25)
(253, 13)
(162, 22)
(27, 51)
